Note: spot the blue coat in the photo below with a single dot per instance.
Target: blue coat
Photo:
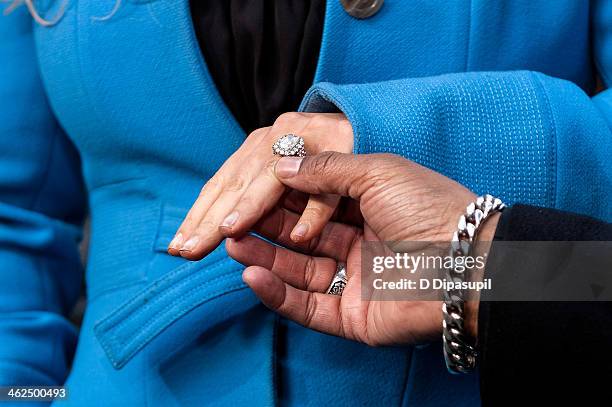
(120, 119)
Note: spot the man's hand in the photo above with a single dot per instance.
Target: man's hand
(398, 201)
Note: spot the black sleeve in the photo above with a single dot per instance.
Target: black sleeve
(551, 352)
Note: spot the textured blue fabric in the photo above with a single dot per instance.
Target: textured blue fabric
(121, 117)
(41, 204)
(471, 127)
(523, 136)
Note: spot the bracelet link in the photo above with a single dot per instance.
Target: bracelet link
(459, 351)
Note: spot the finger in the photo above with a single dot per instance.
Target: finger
(298, 270)
(261, 196)
(206, 236)
(317, 311)
(347, 211)
(228, 179)
(334, 173)
(208, 195)
(334, 241)
(315, 216)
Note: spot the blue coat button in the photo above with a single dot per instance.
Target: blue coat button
(362, 8)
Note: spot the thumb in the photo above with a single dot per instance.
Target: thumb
(326, 173)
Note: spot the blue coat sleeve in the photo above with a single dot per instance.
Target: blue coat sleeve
(522, 135)
(42, 204)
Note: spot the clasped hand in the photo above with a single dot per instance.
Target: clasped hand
(385, 198)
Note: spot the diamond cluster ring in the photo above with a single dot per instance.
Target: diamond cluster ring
(289, 145)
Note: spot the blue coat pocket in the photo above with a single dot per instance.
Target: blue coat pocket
(169, 297)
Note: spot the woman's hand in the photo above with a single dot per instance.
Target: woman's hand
(399, 201)
(245, 187)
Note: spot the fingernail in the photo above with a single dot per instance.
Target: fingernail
(230, 220)
(190, 244)
(300, 230)
(287, 167)
(176, 242)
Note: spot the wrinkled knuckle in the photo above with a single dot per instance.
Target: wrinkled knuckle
(309, 272)
(311, 310)
(287, 119)
(212, 184)
(235, 183)
(258, 133)
(319, 120)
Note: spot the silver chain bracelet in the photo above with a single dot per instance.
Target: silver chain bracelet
(459, 351)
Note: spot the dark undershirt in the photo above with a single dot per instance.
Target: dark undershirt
(262, 55)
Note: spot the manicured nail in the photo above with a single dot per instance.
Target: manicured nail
(288, 167)
(190, 244)
(177, 242)
(300, 231)
(230, 220)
